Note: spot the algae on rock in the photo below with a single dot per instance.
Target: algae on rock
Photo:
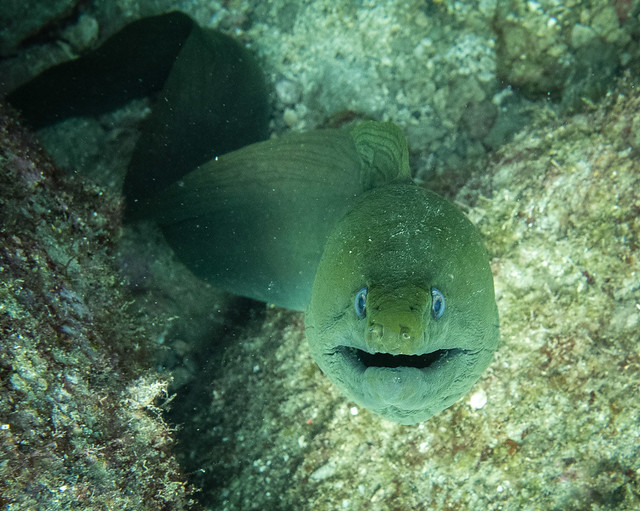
(79, 423)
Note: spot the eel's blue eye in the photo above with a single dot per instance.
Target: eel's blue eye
(437, 303)
(360, 303)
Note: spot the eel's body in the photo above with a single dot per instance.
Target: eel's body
(395, 282)
(329, 222)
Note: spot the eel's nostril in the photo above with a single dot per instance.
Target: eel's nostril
(376, 330)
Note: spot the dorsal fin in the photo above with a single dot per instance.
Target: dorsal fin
(383, 149)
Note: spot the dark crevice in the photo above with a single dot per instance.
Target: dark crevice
(51, 30)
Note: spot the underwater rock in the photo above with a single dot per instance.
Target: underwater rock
(80, 423)
(20, 20)
(560, 52)
(559, 207)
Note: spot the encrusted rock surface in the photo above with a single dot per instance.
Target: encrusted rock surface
(80, 423)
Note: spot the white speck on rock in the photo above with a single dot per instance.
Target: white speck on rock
(290, 117)
(288, 92)
(326, 470)
(478, 400)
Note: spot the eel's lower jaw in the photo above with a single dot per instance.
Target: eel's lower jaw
(362, 360)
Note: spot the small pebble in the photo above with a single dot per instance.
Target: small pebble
(478, 400)
(288, 92)
(290, 117)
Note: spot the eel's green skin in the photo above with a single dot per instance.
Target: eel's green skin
(306, 221)
(255, 221)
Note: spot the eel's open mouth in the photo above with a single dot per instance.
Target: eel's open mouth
(366, 359)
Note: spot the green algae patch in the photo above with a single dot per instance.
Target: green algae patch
(80, 426)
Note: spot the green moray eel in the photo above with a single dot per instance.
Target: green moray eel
(394, 280)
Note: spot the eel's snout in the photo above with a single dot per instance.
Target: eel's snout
(397, 340)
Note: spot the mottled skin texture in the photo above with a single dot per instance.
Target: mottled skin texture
(399, 241)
